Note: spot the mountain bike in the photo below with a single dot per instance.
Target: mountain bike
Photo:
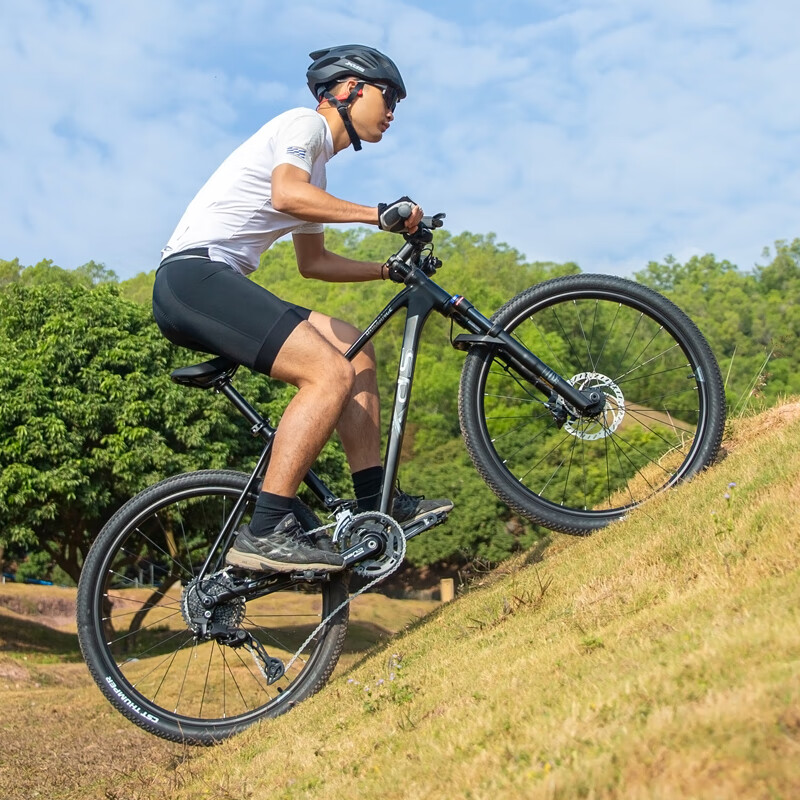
(580, 398)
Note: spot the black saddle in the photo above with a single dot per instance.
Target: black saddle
(205, 375)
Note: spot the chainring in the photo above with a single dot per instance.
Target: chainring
(394, 541)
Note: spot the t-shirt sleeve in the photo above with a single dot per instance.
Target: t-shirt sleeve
(309, 227)
(300, 141)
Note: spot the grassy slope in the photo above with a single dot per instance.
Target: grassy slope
(658, 659)
(59, 737)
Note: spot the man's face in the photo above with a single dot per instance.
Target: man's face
(370, 114)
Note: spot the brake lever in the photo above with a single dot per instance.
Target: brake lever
(424, 232)
(436, 221)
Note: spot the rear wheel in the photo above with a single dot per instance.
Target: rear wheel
(136, 593)
(664, 402)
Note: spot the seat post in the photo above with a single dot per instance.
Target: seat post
(260, 426)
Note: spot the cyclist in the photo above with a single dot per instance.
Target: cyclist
(274, 184)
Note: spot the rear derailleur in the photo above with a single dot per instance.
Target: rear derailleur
(208, 616)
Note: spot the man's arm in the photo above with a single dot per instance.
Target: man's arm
(314, 261)
(293, 193)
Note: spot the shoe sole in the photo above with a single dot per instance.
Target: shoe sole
(236, 558)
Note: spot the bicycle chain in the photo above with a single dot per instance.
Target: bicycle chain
(396, 529)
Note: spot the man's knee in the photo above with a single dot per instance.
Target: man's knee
(339, 376)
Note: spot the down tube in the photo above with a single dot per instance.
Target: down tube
(416, 313)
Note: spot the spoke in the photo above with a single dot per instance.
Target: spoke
(644, 350)
(568, 339)
(552, 450)
(273, 638)
(543, 336)
(569, 468)
(657, 356)
(133, 633)
(185, 673)
(523, 446)
(170, 604)
(166, 672)
(205, 682)
(511, 397)
(158, 547)
(627, 346)
(513, 430)
(647, 427)
(257, 677)
(648, 459)
(524, 385)
(658, 372)
(636, 413)
(608, 335)
(583, 332)
(528, 417)
(233, 678)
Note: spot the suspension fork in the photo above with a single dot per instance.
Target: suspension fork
(516, 355)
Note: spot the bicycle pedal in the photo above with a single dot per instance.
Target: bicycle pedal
(309, 575)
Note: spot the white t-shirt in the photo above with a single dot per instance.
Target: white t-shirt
(232, 215)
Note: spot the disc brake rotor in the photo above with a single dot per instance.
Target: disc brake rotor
(605, 423)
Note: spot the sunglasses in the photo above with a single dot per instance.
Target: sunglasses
(390, 95)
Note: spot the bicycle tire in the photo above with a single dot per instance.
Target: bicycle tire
(135, 573)
(628, 341)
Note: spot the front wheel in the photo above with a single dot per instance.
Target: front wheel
(664, 402)
(136, 591)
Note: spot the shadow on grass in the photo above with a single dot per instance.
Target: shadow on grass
(28, 636)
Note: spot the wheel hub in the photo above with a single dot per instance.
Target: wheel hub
(608, 420)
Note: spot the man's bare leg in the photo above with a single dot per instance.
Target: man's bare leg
(359, 425)
(325, 384)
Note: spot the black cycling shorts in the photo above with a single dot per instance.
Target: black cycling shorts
(208, 306)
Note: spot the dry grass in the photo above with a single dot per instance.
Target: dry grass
(59, 738)
(659, 659)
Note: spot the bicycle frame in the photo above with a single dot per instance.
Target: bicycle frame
(419, 298)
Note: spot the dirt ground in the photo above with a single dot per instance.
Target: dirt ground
(60, 738)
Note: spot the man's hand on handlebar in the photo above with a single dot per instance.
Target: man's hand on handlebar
(401, 216)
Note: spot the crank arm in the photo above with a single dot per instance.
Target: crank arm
(428, 521)
(369, 547)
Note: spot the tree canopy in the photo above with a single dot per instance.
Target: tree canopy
(89, 416)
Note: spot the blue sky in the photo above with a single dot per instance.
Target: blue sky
(604, 132)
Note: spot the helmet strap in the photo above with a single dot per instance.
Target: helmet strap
(342, 105)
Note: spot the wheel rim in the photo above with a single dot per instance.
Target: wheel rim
(656, 404)
(156, 666)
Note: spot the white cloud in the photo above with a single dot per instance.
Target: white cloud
(609, 133)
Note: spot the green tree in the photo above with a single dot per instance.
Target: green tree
(751, 319)
(89, 416)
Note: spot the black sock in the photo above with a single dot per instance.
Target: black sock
(269, 511)
(367, 484)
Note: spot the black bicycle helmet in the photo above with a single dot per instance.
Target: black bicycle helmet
(333, 64)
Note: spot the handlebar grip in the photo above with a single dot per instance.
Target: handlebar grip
(392, 216)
